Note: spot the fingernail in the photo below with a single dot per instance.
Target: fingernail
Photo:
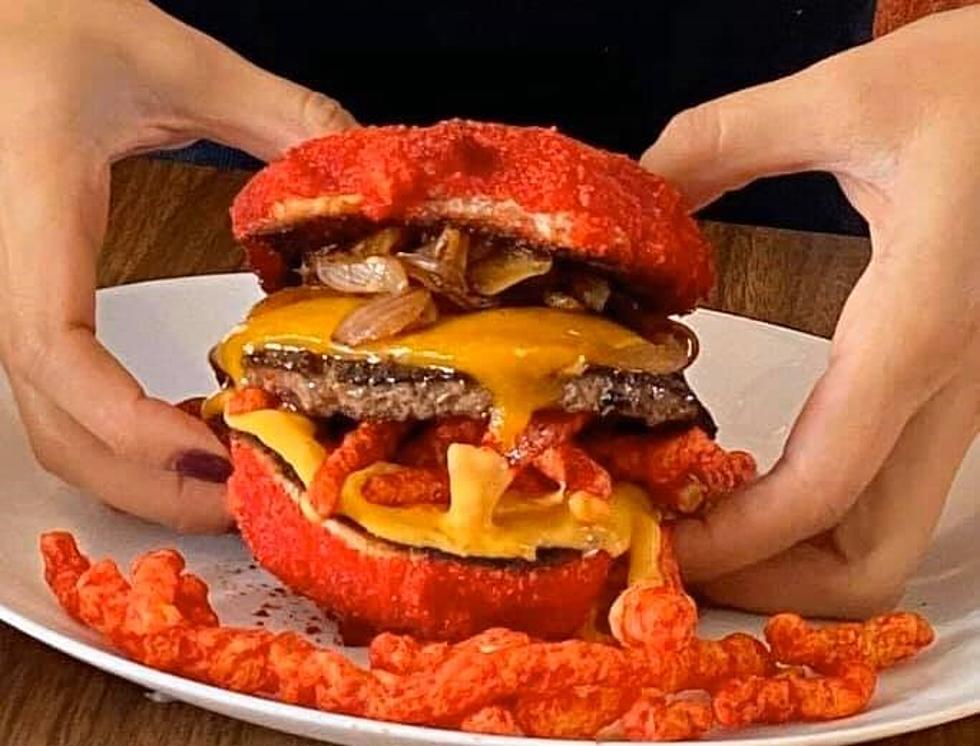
(208, 467)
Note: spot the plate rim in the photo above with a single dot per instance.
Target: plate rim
(174, 685)
(208, 697)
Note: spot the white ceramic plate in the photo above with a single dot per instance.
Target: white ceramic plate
(753, 377)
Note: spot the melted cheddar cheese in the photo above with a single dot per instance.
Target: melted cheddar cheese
(484, 518)
(519, 354)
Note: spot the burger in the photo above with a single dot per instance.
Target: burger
(462, 404)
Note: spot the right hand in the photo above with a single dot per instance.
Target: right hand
(86, 83)
(843, 519)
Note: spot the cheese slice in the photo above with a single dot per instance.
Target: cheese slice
(214, 405)
(289, 434)
(483, 519)
(520, 354)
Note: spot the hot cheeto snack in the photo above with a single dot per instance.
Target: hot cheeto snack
(880, 642)
(661, 682)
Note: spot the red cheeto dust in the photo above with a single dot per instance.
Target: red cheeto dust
(571, 466)
(409, 485)
(530, 183)
(794, 695)
(654, 617)
(546, 430)
(366, 444)
(681, 472)
(579, 713)
(494, 720)
(879, 643)
(429, 447)
(250, 399)
(370, 586)
(498, 681)
(657, 718)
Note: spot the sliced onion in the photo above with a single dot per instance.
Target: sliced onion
(379, 243)
(481, 246)
(452, 251)
(654, 327)
(440, 266)
(505, 269)
(673, 347)
(592, 290)
(673, 333)
(429, 316)
(386, 316)
(372, 274)
(563, 301)
(657, 359)
(428, 272)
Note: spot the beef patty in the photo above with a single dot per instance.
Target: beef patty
(326, 385)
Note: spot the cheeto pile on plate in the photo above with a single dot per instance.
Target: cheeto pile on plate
(653, 679)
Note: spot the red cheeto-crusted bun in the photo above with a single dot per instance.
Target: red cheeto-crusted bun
(528, 183)
(370, 586)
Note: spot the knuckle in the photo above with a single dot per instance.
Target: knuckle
(122, 434)
(843, 81)
(43, 456)
(44, 451)
(830, 492)
(870, 590)
(922, 362)
(180, 522)
(830, 509)
(192, 517)
(23, 350)
(322, 113)
(699, 129)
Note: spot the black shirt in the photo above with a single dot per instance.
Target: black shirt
(611, 73)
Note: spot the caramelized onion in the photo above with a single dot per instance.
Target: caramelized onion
(379, 243)
(563, 301)
(672, 332)
(593, 291)
(429, 272)
(440, 266)
(506, 268)
(387, 316)
(372, 274)
(654, 327)
(451, 249)
(673, 347)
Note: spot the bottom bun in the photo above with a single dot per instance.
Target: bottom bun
(370, 586)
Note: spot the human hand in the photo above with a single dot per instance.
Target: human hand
(844, 517)
(85, 83)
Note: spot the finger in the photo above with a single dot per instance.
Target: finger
(860, 569)
(69, 451)
(876, 380)
(776, 128)
(53, 231)
(222, 96)
(81, 377)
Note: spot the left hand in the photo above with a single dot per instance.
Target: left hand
(85, 83)
(843, 519)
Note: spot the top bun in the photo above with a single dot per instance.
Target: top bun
(535, 185)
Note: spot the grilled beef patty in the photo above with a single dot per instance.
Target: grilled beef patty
(325, 385)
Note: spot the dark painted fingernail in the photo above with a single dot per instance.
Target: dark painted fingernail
(208, 467)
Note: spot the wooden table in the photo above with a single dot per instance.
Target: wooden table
(170, 219)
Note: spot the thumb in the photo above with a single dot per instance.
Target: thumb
(264, 114)
(220, 95)
(771, 129)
